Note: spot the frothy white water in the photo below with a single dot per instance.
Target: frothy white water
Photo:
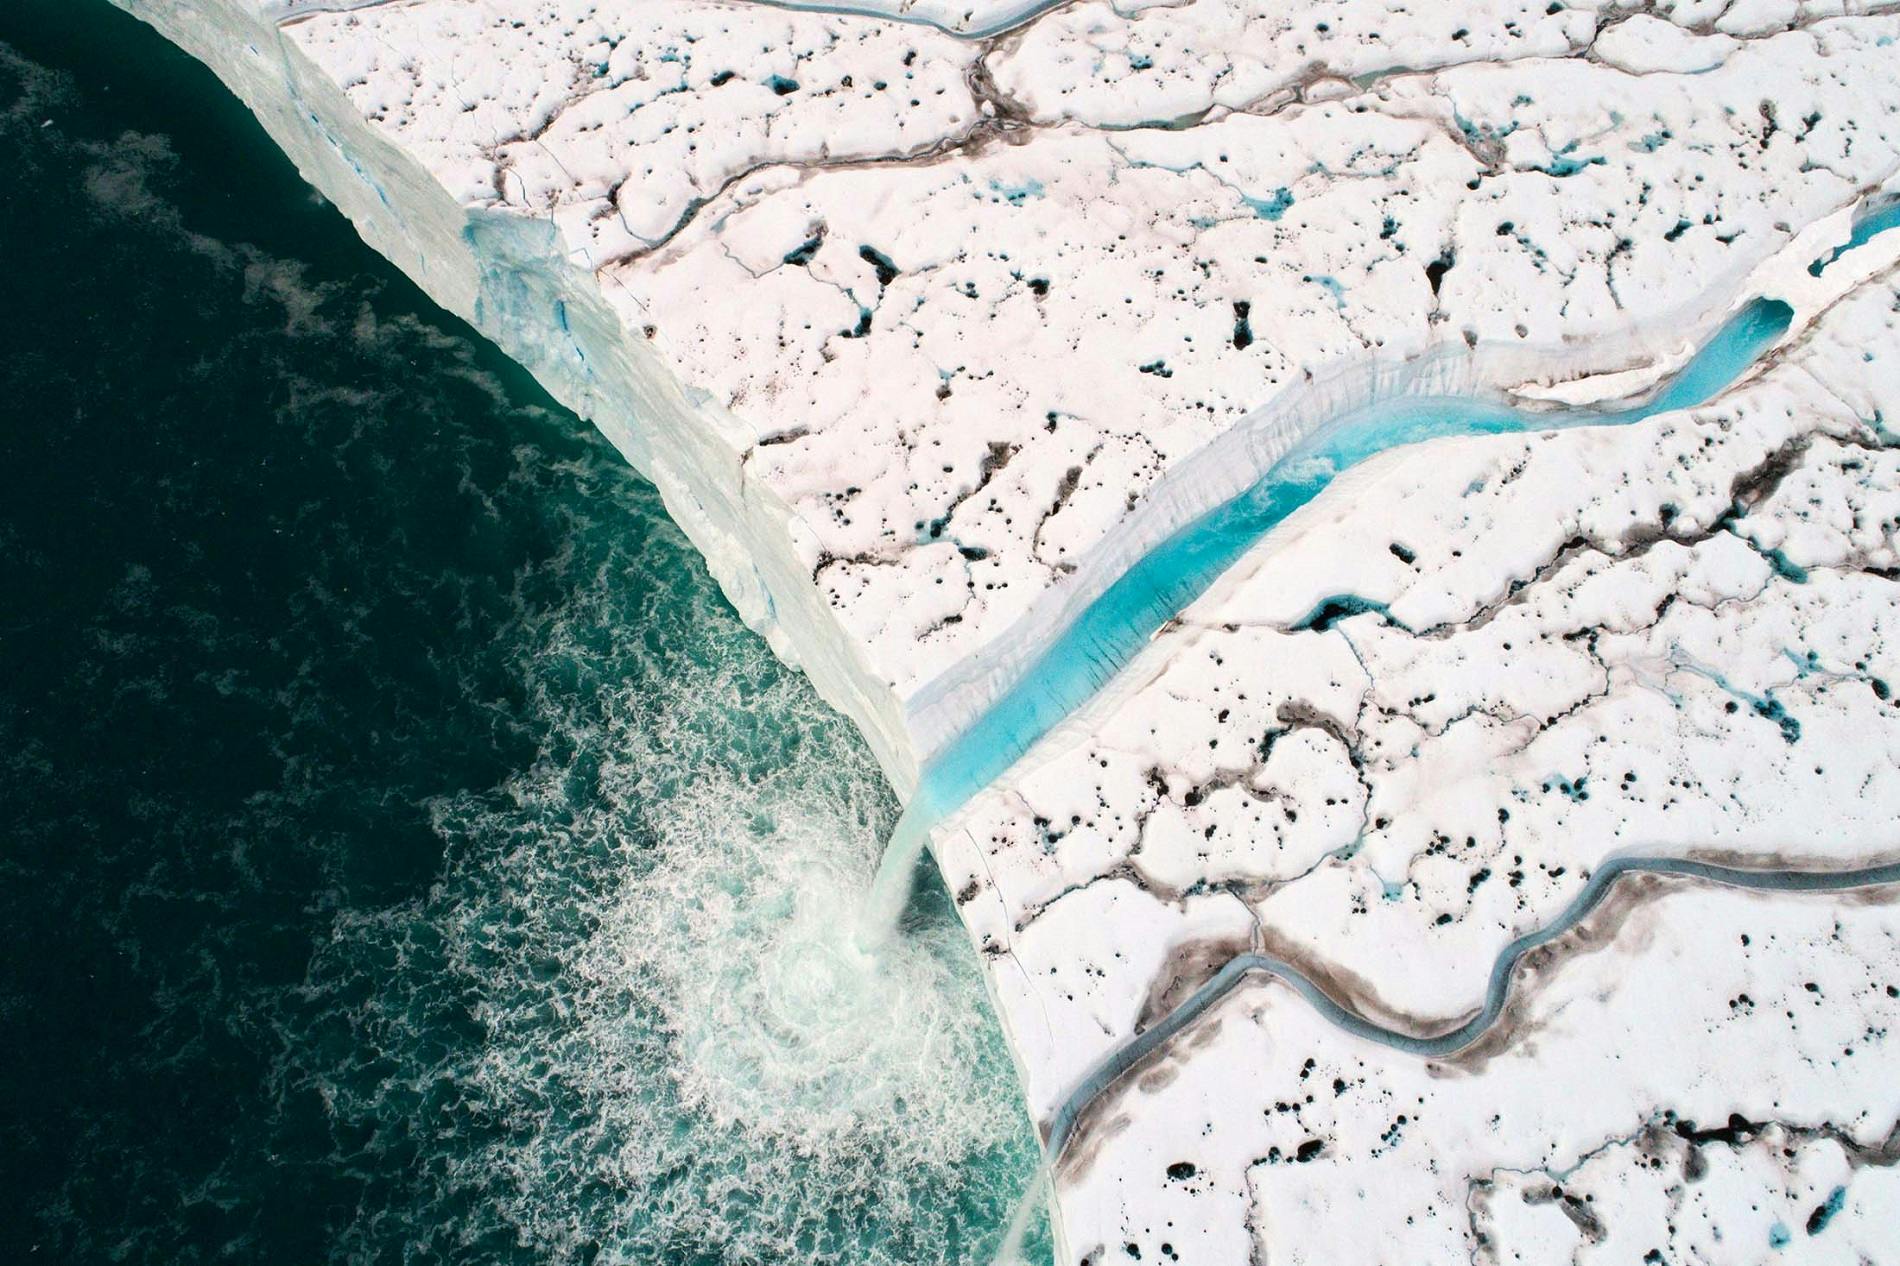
(683, 1056)
(783, 1025)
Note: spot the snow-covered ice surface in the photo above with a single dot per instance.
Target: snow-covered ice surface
(930, 319)
(1703, 1078)
(946, 317)
(1412, 725)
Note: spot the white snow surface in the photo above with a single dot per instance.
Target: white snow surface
(1267, 1135)
(949, 315)
(926, 320)
(1677, 638)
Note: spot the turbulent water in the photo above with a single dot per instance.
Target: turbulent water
(408, 856)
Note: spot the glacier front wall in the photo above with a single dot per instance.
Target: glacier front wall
(505, 274)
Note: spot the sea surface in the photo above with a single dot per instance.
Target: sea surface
(406, 854)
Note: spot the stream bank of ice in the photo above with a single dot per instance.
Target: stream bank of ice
(1415, 722)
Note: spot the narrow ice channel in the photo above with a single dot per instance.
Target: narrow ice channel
(1497, 989)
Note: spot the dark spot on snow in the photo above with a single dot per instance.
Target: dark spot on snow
(880, 264)
(803, 255)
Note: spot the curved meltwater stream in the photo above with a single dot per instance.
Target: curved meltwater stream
(1497, 988)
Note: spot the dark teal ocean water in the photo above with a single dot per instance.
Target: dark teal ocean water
(405, 853)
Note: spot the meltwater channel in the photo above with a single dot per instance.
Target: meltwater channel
(1115, 626)
(409, 856)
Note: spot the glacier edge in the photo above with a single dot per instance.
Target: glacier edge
(502, 273)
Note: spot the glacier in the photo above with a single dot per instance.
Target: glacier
(942, 332)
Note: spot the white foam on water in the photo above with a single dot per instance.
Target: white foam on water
(782, 1024)
(684, 1056)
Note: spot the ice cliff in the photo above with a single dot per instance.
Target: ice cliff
(928, 321)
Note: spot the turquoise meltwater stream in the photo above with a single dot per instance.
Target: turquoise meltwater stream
(1116, 625)
(1110, 630)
